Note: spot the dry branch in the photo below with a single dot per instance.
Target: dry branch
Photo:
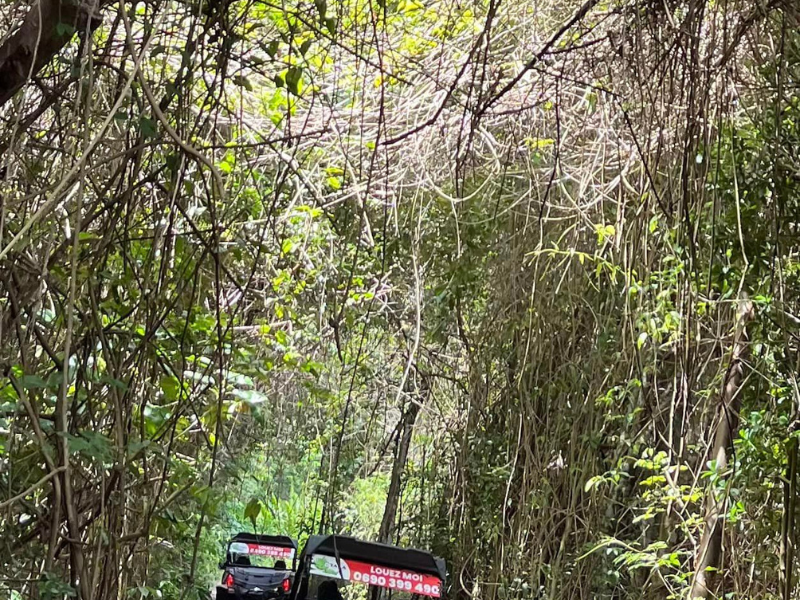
(707, 560)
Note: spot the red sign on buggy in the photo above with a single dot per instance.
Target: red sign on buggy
(369, 574)
(273, 551)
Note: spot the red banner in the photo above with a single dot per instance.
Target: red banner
(369, 574)
(264, 550)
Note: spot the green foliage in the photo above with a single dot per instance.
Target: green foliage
(220, 306)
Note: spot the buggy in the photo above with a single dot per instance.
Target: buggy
(257, 567)
(381, 571)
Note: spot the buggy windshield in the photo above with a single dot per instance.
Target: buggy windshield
(260, 555)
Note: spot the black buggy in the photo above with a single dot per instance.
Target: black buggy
(329, 564)
(258, 567)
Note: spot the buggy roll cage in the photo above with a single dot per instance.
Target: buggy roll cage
(281, 541)
(343, 548)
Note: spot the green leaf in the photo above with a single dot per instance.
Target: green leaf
(592, 100)
(135, 447)
(32, 382)
(593, 482)
(278, 81)
(91, 445)
(334, 183)
(272, 48)
(653, 480)
(294, 78)
(120, 385)
(305, 46)
(52, 587)
(641, 340)
(171, 387)
(252, 511)
(250, 397)
(173, 161)
(322, 8)
(242, 81)
(330, 25)
(64, 29)
(147, 126)
(313, 367)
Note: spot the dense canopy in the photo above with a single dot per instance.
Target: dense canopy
(516, 283)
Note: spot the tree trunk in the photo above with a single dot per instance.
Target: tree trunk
(707, 560)
(47, 28)
(787, 522)
(401, 455)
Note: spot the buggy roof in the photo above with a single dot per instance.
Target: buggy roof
(375, 553)
(283, 541)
